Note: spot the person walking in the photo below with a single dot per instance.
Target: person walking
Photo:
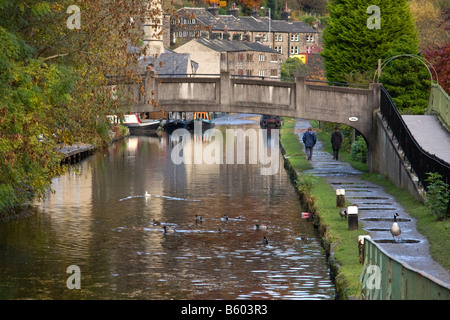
(309, 139)
(336, 140)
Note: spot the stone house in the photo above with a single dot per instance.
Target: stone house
(288, 37)
(238, 57)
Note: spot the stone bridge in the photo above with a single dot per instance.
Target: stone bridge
(301, 99)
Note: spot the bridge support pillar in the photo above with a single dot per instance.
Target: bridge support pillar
(300, 94)
(226, 90)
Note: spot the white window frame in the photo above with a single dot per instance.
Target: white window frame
(279, 49)
(294, 37)
(261, 57)
(261, 73)
(294, 49)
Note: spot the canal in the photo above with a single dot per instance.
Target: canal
(99, 219)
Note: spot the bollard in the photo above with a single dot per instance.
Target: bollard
(352, 215)
(340, 198)
(361, 247)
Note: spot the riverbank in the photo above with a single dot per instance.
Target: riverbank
(318, 198)
(339, 242)
(70, 154)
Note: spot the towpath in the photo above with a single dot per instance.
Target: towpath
(376, 209)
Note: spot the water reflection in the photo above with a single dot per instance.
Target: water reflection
(100, 219)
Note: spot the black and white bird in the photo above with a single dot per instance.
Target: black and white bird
(395, 229)
(198, 218)
(169, 230)
(265, 240)
(343, 213)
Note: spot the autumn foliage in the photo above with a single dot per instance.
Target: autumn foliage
(52, 84)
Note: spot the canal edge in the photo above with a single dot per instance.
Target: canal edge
(327, 244)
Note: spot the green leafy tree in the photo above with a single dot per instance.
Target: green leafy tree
(351, 46)
(406, 78)
(53, 84)
(292, 67)
(438, 195)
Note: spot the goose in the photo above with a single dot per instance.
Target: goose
(265, 240)
(156, 223)
(168, 230)
(343, 213)
(395, 229)
(225, 217)
(198, 218)
(147, 194)
(261, 227)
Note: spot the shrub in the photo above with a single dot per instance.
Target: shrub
(359, 150)
(438, 195)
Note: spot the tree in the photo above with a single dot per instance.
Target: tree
(439, 54)
(52, 84)
(351, 46)
(292, 67)
(406, 78)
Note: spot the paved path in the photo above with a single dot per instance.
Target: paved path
(430, 135)
(376, 209)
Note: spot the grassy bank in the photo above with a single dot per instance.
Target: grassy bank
(319, 198)
(437, 232)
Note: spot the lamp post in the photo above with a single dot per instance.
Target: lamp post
(270, 19)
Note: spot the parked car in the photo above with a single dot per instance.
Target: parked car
(270, 121)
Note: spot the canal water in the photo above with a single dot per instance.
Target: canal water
(99, 221)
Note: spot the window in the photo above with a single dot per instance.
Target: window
(261, 73)
(309, 38)
(278, 37)
(273, 72)
(240, 72)
(223, 56)
(294, 37)
(279, 49)
(249, 72)
(294, 50)
(249, 56)
(261, 58)
(308, 49)
(240, 57)
(273, 57)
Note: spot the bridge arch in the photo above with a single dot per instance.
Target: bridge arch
(300, 98)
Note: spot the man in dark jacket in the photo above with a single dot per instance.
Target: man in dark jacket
(336, 140)
(309, 139)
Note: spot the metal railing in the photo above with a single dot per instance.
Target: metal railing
(385, 278)
(421, 161)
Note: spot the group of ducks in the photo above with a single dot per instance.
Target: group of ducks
(199, 219)
(395, 228)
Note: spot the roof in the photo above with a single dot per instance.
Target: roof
(234, 46)
(243, 23)
(168, 63)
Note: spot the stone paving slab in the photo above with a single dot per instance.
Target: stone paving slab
(376, 210)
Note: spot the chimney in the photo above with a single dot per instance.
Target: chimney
(233, 11)
(286, 14)
(214, 9)
(255, 13)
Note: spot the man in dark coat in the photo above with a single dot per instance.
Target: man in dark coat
(309, 139)
(336, 140)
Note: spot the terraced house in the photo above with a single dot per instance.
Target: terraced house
(288, 37)
(237, 57)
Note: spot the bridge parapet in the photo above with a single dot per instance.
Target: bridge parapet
(351, 106)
